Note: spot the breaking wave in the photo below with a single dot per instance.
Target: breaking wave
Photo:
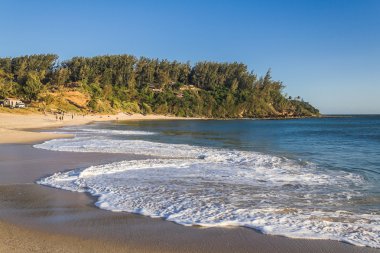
(193, 185)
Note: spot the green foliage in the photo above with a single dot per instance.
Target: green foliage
(7, 86)
(130, 84)
(48, 99)
(131, 107)
(33, 86)
(146, 109)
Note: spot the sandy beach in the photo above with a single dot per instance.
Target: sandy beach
(34, 218)
(190, 126)
(20, 128)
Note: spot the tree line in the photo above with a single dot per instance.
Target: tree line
(127, 83)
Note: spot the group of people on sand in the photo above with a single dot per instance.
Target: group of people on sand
(60, 117)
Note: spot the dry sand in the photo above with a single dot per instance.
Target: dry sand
(18, 128)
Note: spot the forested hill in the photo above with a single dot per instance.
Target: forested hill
(115, 83)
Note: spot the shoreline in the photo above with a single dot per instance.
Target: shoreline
(22, 128)
(34, 217)
(78, 223)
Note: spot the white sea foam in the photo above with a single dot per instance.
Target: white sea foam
(93, 130)
(194, 185)
(118, 132)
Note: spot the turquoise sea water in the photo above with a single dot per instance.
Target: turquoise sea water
(305, 178)
(350, 143)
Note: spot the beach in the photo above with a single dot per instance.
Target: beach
(35, 218)
(20, 128)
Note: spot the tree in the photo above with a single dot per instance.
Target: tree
(33, 86)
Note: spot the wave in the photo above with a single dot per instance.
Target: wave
(194, 185)
(91, 130)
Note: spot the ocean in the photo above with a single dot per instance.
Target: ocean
(303, 178)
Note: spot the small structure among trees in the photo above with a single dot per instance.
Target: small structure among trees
(13, 103)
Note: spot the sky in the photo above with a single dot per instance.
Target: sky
(326, 51)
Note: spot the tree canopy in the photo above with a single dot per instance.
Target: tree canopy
(127, 83)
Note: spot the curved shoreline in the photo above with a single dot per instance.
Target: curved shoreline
(23, 128)
(34, 217)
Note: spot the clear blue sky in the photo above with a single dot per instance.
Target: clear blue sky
(326, 51)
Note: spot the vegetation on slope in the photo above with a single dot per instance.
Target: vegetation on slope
(125, 83)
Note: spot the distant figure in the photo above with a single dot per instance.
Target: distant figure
(56, 117)
(72, 116)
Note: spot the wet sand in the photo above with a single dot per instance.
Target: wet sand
(36, 218)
